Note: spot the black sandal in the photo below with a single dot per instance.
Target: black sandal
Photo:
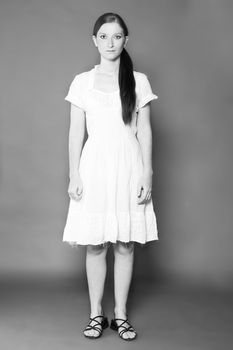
(129, 328)
(103, 324)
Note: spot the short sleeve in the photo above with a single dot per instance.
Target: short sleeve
(75, 93)
(145, 93)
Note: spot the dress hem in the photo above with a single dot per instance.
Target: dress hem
(107, 243)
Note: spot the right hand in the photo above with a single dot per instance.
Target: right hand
(75, 189)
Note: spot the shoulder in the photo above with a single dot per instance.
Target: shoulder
(81, 79)
(139, 75)
(140, 79)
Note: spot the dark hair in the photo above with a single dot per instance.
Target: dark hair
(126, 76)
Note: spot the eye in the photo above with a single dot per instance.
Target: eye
(102, 36)
(118, 36)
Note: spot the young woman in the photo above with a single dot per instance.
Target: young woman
(111, 175)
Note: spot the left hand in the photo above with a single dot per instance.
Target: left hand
(144, 188)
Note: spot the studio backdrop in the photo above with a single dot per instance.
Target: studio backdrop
(185, 48)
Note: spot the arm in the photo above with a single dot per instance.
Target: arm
(144, 136)
(76, 137)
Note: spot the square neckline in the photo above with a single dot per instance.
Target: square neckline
(93, 81)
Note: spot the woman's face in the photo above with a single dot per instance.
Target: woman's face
(110, 40)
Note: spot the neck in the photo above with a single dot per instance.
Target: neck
(109, 67)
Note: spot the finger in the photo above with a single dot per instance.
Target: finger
(142, 199)
(74, 196)
(148, 196)
(77, 198)
(144, 193)
(78, 195)
(79, 191)
(71, 195)
(140, 191)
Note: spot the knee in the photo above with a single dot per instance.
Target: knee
(96, 249)
(124, 249)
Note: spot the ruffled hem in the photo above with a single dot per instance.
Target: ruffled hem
(95, 228)
(107, 244)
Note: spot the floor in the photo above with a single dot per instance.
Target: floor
(51, 314)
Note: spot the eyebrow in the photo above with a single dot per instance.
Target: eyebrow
(114, 33)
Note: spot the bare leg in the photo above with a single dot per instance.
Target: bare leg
(96, 272)
(123, 268)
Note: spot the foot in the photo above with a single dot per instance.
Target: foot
(95, 327)
(124, 328)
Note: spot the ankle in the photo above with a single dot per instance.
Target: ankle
(120, 313)
(96, 311)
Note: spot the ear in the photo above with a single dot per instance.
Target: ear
(94, 39)
(126, 40)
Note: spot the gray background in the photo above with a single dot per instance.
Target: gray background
(181, 294)
(185, 48)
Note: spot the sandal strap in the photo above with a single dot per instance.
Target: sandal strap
(125, 329)
(121, 319)
(97, 322)
(95, 326)
(89, 327)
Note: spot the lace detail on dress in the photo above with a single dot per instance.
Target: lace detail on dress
(105, 100)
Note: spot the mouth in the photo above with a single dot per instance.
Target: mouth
(110, 50)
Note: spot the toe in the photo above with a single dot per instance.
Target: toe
(129, 335)
(126, 335)
(91, 333)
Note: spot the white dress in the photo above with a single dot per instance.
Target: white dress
(110, 167)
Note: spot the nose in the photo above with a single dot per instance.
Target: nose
(110, 42)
